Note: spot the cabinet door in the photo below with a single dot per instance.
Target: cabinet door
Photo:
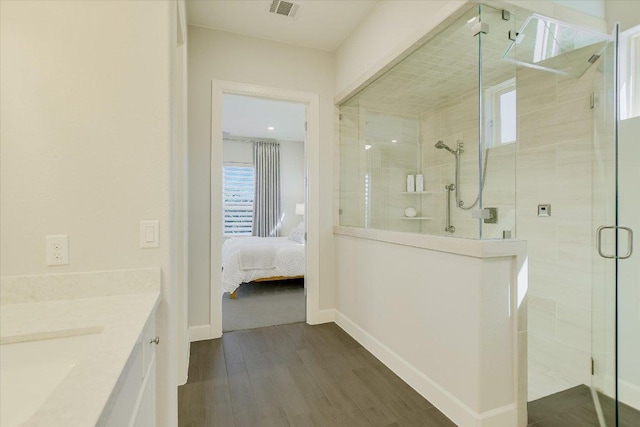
(146, 415)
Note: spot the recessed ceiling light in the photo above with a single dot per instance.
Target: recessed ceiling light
(367, 147)
(270, 128)
(394, 140)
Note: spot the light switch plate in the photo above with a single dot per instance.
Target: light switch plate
(149, 234)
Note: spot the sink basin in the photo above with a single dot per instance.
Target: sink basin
(30, 370)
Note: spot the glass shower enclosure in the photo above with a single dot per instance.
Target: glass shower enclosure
(505, 124)
(430, 143)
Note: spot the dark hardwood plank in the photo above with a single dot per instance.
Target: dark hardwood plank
(296, 375)
(353, 418)
(334, 391)
(285, 387)
(558, 403)
(219, 410)
(191, 401)
(268, 403)
(245, 410)
(575, 407)
(231, 347)
(252, 343)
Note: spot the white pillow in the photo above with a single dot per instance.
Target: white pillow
(297, 235)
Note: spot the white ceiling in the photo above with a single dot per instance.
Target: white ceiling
(244, 116)
(319, 24)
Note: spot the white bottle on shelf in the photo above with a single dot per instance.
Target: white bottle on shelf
(419, 183)
(411, 184)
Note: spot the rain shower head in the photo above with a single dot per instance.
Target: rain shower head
(548, 44)
(440, 145)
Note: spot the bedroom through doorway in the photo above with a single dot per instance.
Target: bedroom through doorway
(263, 219)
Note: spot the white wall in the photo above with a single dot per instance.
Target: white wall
(225, 56)
(292, 182)
(629, 273)
(445, 322)
(623, 11)
(291, 174)
(86, 141)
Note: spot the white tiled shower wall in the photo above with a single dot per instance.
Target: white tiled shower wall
(557, 163)
(560, 153)
(457, 121)
(373, 180)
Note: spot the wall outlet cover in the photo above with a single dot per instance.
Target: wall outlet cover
(57, 248)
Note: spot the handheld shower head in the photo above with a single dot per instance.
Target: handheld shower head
(440, 145)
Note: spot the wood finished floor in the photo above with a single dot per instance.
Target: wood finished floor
(301, 375)
(574, 408)
(296, 375)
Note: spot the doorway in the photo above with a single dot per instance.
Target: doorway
(310, 203)
(263, 201)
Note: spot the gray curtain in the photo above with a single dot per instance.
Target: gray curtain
(267, 201)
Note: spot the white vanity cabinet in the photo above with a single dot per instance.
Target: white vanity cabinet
(133, 402)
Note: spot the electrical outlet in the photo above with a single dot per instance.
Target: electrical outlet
(57, 249)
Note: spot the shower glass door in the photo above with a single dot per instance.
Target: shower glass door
(615, 335)
(604, 214)
(628, 262)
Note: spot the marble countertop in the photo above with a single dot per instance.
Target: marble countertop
(117, 322)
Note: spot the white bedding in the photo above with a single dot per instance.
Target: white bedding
(275, 256)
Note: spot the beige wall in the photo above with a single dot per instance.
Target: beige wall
(225, 56)
(86, 142)
(624, 11)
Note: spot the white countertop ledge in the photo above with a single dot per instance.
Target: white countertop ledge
(453, 245)
(117, 322)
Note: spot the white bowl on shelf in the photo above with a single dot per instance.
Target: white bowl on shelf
(410, 212)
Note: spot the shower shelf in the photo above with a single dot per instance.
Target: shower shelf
(417, 217)
(421, 192)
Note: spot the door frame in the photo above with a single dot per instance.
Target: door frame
(219, 88)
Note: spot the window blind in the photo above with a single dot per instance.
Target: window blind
(238, 193)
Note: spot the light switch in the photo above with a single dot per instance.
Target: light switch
(149, 234)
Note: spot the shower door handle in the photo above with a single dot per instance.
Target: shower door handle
(629, 242)
(599, 240)
(612, 227)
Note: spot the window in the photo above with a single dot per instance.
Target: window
(630, 73)
(237, 200)
(500, 113)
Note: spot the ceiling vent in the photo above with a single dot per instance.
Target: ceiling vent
(284, 8)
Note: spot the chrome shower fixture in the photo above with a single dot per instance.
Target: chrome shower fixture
(440, 145)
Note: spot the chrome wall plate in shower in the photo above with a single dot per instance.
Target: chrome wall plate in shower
(493, 216)
(544, 210)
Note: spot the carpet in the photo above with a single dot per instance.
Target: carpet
(264, 304)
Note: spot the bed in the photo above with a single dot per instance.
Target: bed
(259, 259)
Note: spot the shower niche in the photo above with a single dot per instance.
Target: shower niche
(446, 111)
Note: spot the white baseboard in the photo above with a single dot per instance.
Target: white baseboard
(629, 393)
(200, 333)
(321, 316)
(453, 408)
